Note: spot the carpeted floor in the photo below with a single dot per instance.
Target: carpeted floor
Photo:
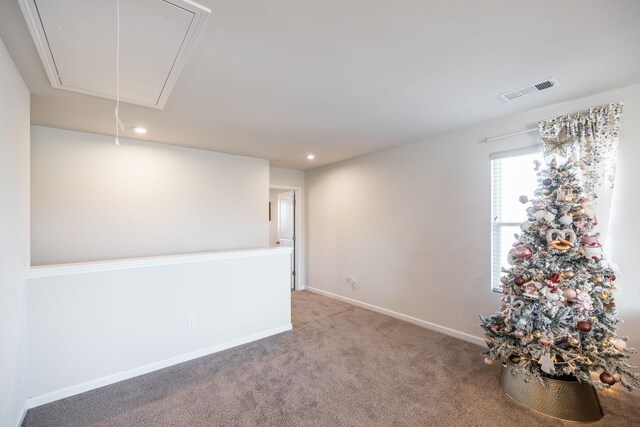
(340, 366)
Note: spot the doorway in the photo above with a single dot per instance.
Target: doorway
(284, 225)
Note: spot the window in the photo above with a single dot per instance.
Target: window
(512, 176)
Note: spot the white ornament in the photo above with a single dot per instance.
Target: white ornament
(540, 214)
(566, 220)
(620, 344)
(549, 217)
(525, 226)
(546, 364)
(550, 294)
(589, 210)
(583, 295)
(593, 252)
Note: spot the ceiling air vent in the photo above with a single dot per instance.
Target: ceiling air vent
(526, 90)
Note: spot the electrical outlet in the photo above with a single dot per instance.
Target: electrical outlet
(191, 323)
(352, 282)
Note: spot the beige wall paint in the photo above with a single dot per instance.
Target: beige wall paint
(412, 224)
(14, 237)
(92, 200)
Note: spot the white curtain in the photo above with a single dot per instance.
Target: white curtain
(588, 139)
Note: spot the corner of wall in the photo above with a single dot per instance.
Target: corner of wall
(15, 243)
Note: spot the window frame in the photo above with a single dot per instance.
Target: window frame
(498, 226)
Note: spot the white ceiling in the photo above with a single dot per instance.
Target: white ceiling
(341, 78)
(76, 41)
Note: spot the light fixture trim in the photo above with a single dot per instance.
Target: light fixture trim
(140, 129)
(311, 156)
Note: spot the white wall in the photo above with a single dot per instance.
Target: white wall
(14, 236)
(97, 323)
(93, 200)
(412, 224)
(287, 178)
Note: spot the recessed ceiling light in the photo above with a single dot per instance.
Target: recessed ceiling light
(311, 156)
(139, 129)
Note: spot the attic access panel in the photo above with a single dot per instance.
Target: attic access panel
(76, 40)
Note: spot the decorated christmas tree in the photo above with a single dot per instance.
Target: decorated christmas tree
(558, 317)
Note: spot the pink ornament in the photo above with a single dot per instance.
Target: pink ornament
(593, 252)
(530, 289)
(522, 252)
(591, 247)
(570, 294)
(584, 302)
(519, 334)
(589, 241)
(523, 199)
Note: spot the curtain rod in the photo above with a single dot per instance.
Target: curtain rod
(509, 134)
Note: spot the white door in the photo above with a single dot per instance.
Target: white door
(287, 227)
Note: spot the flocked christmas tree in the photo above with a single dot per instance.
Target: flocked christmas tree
(558, 316)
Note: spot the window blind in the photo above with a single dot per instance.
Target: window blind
(502, 228)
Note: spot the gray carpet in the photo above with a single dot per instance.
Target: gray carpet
(340, 366)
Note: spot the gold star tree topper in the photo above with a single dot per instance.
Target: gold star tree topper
(558, 145)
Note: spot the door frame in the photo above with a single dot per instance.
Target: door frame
(300, 257)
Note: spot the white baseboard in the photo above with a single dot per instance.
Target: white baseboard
(425, 324)
(22, 414)
(32, 402)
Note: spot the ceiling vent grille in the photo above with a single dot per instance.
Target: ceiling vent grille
(527, 90)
